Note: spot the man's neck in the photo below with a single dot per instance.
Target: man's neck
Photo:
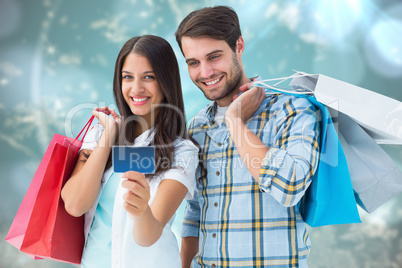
(226, 101)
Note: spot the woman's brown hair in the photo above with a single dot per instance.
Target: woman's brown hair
(170, 121)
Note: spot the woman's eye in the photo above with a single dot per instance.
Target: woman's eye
(127, 77)
(149, 77)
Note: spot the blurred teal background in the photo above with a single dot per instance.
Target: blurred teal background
(57, 60)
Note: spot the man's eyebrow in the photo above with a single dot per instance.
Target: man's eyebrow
(213, 52)
(190, 59)
(209, 54)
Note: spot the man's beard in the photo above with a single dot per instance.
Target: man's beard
(232, 84)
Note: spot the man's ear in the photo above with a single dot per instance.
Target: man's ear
(240, 46)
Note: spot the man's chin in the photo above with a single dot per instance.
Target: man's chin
(215, 96)
(212, 97)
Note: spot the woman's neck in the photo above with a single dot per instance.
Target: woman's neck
(144, 123)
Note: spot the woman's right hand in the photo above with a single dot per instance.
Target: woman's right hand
(80, 191)
(111, 124)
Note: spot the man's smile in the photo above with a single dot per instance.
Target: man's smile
(212, 82)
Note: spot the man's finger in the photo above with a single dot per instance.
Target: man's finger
(245, 87)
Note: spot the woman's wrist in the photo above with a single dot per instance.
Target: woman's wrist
(108, 138)
(147, 230)
(113, 131)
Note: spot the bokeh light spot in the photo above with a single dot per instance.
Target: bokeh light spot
(9, 17)
(383, 46)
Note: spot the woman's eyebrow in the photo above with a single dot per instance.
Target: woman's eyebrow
(146, 72)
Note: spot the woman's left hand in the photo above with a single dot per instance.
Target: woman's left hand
(138, 194)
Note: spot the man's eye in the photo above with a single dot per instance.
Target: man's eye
(192, 63)
(214, 57)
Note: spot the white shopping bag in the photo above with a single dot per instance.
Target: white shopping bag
(375, 176)
(379, 115)
(364, 118)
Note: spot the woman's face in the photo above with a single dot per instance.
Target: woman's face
(140, 87)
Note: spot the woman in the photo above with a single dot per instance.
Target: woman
(128, 216)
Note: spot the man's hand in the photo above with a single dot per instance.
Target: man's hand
(247, 143)
(245, 105)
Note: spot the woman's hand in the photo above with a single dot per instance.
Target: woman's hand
(111, 124)
(138, 194)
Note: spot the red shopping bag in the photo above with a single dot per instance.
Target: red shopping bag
(42, 228)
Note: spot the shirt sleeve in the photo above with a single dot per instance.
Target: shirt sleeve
(289, 165)
(184, 166)
(92, 138)
(191, 221)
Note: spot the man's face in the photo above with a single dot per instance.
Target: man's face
(213, 66)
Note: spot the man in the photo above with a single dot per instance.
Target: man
(260, 153)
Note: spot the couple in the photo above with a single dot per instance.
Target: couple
(257, 157)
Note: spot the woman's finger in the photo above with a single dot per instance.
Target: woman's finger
(135, 188)
(136, 176)
(115, 116)
(104, 110)
(133, 199)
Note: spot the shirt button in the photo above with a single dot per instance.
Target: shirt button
(218, 173)
(213, 122)
(213, 235)
(216, 204)
(219, 144)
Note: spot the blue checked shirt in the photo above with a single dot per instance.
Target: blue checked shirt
(242, 223)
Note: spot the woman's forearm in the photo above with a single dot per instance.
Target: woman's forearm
(80, 191)
(147, 230)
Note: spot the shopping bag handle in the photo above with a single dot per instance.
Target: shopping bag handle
(86, 128)
(291, 91)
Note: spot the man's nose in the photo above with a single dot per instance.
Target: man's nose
(206, 70)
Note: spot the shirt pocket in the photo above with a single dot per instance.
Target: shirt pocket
(238, 168)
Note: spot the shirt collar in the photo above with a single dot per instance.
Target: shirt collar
(211, 110)
(145, 138)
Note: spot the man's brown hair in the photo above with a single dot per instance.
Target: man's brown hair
(219, 22)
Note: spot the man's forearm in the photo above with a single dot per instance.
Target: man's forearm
(248, 145)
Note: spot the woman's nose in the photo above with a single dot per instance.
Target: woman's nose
(137, 86)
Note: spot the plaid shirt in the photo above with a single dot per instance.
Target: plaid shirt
(242, 223)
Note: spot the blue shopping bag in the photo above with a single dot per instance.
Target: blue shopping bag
(330, 198)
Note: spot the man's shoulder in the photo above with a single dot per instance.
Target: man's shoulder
(201, 117)
(286, 102)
